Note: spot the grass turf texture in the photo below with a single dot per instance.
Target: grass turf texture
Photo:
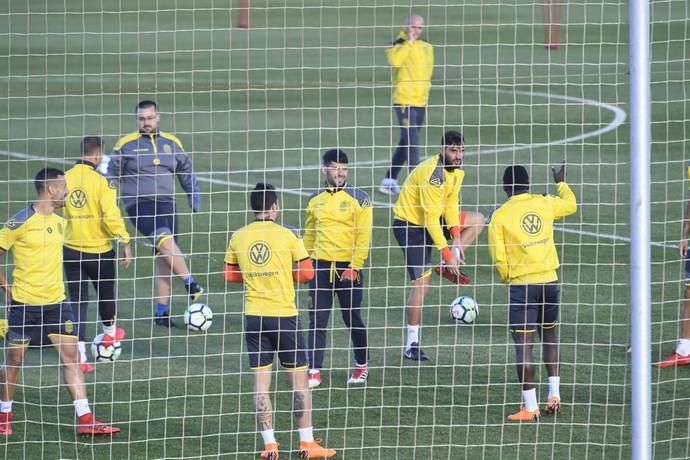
(262, 105)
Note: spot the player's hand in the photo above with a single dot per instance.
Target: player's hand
(412, 33)
(126, 258)
(684, 247)
(451, 262)
(559, 176)
(194, 201)
(456, 247)
(351, 275)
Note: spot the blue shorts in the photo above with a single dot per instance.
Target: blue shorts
(154, 219)
(417, 247)
(687, 270)
(534, 306)
(27, 321)
(268, 335)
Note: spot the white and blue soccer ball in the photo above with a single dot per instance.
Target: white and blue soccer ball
(198, 317)
(464, 310)
(103, 353)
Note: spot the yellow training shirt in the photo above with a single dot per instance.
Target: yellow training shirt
(428, 193)
(413, 65)
(338, 226)
(266, 252)
(35, 241)
(93, 217)
(521, 236)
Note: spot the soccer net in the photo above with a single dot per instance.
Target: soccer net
(263, 104)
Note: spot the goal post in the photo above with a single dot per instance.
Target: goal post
(262, 103)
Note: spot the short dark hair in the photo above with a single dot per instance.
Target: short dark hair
(90, 143)
(452, 138)
(334, 156)
(263, 197)
(145, 104)
(516, 179)
(44, 176)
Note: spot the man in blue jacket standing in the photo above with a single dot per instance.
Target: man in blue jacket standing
(145, 164)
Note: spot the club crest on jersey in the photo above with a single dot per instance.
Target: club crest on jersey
(344, 206)
(531, 223)
(260, 253)
(69, 326)
(167, 148)
(77, 198)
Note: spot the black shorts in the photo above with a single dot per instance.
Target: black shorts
(266, 335)
(26, 321)
(687, 270)
(154, 219)
(534, 306)
(417, 247)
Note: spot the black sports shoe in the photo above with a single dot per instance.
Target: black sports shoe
(164, 320)
(415, 353)
(194, 291)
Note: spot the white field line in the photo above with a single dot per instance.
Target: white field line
(561, 227)
(619, 118)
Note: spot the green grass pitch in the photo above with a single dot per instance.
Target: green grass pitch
(263, 104)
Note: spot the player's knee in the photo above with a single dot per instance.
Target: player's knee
(164, 241)
(550, 336)
(321, 319)
(68, 352)
(354, 321)
(523, 353)
(420, 287)
(15, 357)
(476, 220)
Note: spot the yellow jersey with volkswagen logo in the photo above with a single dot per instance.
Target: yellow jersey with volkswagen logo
(429, 193)
(265, 252)
(94, 219)
(35, 241)
(521, 236)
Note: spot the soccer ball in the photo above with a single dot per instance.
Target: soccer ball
(104, 353)
(464, 310)
(198, 317)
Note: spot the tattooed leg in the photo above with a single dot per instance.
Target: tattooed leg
(301, 398)
(264, 411)
(262, 399)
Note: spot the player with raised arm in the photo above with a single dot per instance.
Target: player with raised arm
(522, 248)
(145, 164)
(262, 255)
(337, 236)
(93, 222)
(35, 300)
(428, 203)
(412, 62)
